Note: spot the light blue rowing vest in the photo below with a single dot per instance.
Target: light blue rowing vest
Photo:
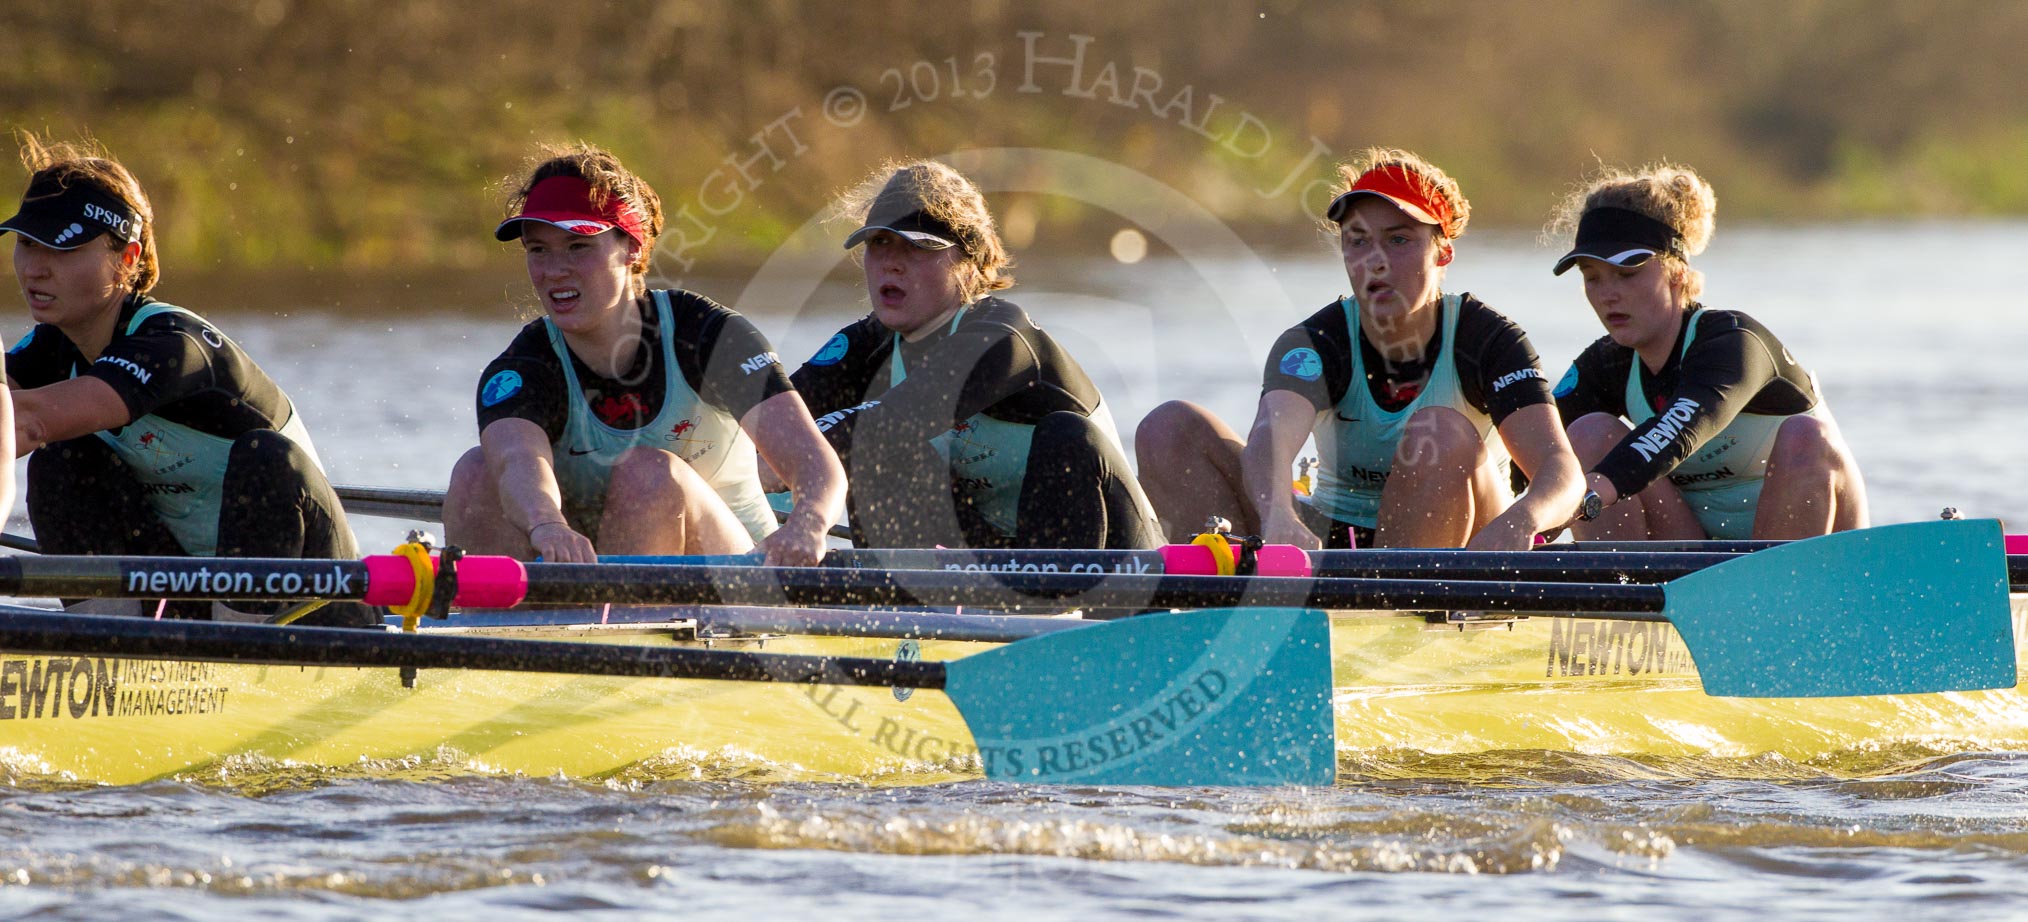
(706, 437)
(1722, 479)
(182, 470)
(1356, 439)
(990, 456)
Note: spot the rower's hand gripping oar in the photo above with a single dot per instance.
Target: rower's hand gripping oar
(1237, 698)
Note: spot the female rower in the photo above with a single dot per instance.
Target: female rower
(626, 419)
(1717, 431)
(1402, 385)
(963, 423)
(153, 433)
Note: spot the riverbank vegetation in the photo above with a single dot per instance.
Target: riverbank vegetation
(366, 135)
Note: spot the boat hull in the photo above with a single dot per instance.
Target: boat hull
(1625, 689)
(1403, 685)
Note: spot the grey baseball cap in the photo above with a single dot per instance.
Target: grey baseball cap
(901, 209)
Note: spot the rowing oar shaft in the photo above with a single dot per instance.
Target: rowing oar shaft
(580, 584)
(647, 583)
(1562, 566)
(294, 646)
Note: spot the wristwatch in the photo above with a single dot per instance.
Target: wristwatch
(1590, 506)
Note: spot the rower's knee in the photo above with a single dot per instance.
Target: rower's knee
(261, 448)
(1068, 425)
(1069, 440)
(469, 477)
(1172, 432)
(1593, 435)
(1806, 444)
(1439, 438)
(263, 463)
(651, 478)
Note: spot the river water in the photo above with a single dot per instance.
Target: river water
(1911, 329)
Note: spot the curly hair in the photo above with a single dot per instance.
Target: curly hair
(952, 199)
(88, 163)
(609, 179)
(1667, 192)
(1432, 180)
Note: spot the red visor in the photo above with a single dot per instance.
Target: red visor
(567, 202)
(1407, 189)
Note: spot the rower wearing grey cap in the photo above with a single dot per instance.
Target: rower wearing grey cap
(1691, 422)
(960, 422)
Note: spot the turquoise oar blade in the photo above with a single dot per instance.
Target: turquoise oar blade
(1899, 609)
(1236, 697)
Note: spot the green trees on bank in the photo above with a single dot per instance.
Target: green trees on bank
(364, 134)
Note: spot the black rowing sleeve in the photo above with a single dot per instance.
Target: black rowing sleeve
(1312, 359)
(526, 382)
(162, 361)
(1497, 367)
(1721, 373)
(41, 358)
(1595, 383)
(847, 373)
(723, 356)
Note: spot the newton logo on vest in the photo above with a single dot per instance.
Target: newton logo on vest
(1303, 363)
(833, 351)
(501, 386)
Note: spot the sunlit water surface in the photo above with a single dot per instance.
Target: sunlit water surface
(1913, 333)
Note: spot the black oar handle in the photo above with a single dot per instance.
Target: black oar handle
(652, 583)
(1545, 565)
(253, 578)
(134, 638)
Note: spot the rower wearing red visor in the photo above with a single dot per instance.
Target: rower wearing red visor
(1404, 387)
(625, 420)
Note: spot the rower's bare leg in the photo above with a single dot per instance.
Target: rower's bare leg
(656, 504)
(1430, 498)
(1191, 470)
(1658, 513)
(1813, 485)
(1492, 491)
(474, 517)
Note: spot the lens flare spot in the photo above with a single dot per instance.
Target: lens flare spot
(1129, 246)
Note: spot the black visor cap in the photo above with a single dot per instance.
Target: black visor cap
(1620, 237)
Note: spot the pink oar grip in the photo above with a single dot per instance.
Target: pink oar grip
(483, 581)
(491, 582)
(1271, 560)
(1188, 560)
(1283, 560)
(2017, 544)
(390, 580)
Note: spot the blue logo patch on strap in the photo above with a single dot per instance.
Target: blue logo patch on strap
(1568, 385)
(1303, 363)
(502, 385)
(833, 352)
(23, 344)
